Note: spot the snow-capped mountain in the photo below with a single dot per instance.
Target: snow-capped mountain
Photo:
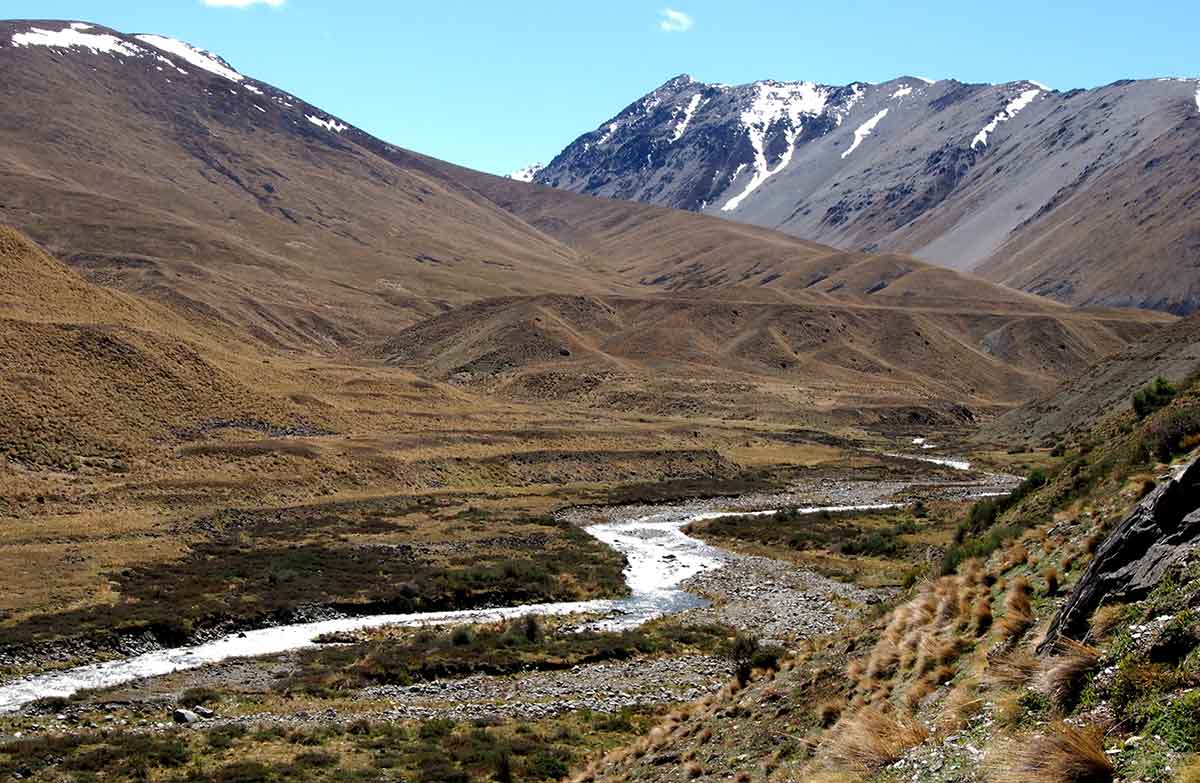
(527, 174)
(1014, 181)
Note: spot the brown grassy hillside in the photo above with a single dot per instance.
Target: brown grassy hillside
(751, 358)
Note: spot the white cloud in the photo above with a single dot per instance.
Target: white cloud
(675, 21)
(243, 3)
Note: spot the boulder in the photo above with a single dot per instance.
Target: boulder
(1157, 534)
(185, 716)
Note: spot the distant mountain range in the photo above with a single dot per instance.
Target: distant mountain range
(1088, 196)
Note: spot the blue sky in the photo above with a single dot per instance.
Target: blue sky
(496, 86)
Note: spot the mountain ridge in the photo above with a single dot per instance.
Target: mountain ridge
(969, 176)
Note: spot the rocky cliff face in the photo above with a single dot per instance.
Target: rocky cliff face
(1015, 181)
(1160, 532)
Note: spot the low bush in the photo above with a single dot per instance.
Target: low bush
(1153, 397)
(1173, 433)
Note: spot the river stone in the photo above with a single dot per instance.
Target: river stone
(1160, 532)
(185, 716)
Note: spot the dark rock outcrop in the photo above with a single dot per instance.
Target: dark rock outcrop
(1163, 528)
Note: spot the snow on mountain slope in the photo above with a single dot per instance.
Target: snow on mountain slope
(964, 175)
(528, 173)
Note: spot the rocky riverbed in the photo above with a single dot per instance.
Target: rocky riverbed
(771, 599)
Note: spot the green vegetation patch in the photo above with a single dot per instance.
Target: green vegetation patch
(519, 645)
(260, 567)
(845, 532)
(434, 751)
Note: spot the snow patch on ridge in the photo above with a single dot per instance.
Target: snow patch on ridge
(1198, 97)
(73, 36)
(528, 173)
(609, 133)
(864, 131)
(192, 55)
(1010, 111)
(773, 102)
(329, 124)
(688, 113)
(903, 92)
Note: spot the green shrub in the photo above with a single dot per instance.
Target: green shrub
(1153, 397)
(243, 772)
(195, 697)
(766, 657)
(986, 536)
(436, 728)
(1173, 433)
(741, 653)
(223, 737)
(547, 765)
(315, 760)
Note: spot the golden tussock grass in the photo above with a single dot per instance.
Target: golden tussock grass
(828, 712)
(871, 739)
(1188, 771)
(1011, 670)
(962, 704)
(1052, 580)
(1063, 674)
(1015, 555)
(1010, 709)
(981, 616)
(1107, 619)
(1064, 754)
(1018, 611)
(917, 693)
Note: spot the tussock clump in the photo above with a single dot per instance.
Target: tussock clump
(1018, 611)
(1107, 619)
(961, 705)
(1011, 670)
(1065, 754)
(1062, 676)
(884, 660)
(871, 739)
(917, 692)
(828, 712)
(1016, 555)
(1052, 580)
(981, 616)
(694, 770)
